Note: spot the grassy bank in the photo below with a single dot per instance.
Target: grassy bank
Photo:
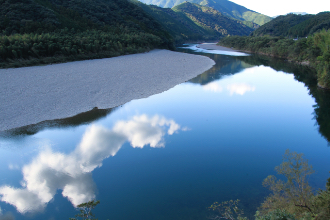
(313, 51)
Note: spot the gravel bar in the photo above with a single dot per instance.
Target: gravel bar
(30, 95)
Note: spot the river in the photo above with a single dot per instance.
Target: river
(171, 155)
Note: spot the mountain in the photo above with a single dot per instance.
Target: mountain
(209, 18)
(298, 13)
(311, 25)
(226, 7)
(181, 27)
(189, 22)
(295, 25)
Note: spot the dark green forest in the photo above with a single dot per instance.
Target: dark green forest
(293, 25)
(49, 31)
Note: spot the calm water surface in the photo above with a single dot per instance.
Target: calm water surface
(171, 155)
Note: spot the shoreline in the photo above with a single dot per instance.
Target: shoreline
(30, 95)
(214, 46)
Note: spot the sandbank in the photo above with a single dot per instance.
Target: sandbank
(214, 46)
(30, 95)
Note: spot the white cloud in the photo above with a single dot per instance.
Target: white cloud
(186, 129)
(240, 88)
(141, 131)
(50, 170)
(22, 199)
(80, 189)
(213, 87)
(97, 144)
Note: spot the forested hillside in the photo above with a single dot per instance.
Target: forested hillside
(209, 18)
(293, 25)
(228, 8)
(45, 31)
(178, 24)
(191, 22)
(313, 51)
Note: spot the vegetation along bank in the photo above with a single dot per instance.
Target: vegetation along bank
(48, 31)
(311, 48)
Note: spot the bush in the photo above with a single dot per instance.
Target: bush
(278, 214)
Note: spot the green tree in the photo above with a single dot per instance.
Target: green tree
(227, 210)
(278, 214)
(86, 210)
(295, 195)
(321, 203)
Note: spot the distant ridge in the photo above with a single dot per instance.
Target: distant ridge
(226, 7)
(296, 13)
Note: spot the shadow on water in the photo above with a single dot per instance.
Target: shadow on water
(230, 65)
(79, 119)
(307, 76)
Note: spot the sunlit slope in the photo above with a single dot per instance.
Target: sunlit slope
(224, 6)
(189, 22)
(209, 18)
(177, 24)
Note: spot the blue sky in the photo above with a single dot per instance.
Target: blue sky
(280, 7)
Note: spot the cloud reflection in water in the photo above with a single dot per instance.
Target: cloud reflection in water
(240, 88)
(213, 86)
(235, 88)
(50, 170)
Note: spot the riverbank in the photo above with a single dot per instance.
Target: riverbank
(214, 46)
(30, 95)
(312, 51)
(213, 49)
